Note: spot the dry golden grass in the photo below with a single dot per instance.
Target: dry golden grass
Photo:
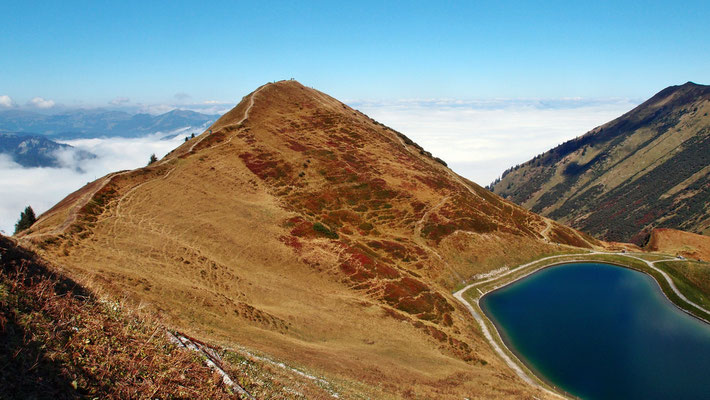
(686, 244)
(312, 234)
(59, 339)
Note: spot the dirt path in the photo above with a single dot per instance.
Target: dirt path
(545, 231)
(120, 201)
(78, 205)
(83, 200)
(671, 283)
(418, 225)
(515, 366)
(244, 118)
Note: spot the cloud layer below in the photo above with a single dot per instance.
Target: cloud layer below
(43, 187)
(41, 103)
(6, 101)
(481, 139)
(478, 139)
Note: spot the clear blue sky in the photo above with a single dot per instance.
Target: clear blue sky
(95, 51)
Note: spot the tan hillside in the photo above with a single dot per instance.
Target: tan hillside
(299, 228)
(59, 339)
(648, 168)
(686, 244)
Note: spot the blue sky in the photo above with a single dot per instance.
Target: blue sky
(483, 85)
(92, 52)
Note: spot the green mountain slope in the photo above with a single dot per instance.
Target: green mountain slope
(648, 168)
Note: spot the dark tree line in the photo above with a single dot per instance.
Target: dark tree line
(27, 218)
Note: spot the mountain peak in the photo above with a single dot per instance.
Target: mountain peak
(686, 92)
(293, 219)
(691, 84)
(642, 170)
(693, 87)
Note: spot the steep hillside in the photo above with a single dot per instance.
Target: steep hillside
(57, 341)
(686, 244)
(60, 340)
(648, 168)
(302, 229)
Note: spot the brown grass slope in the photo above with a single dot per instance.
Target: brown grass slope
(58, 342)
(302, 229)
(686, 244)
(648, 168)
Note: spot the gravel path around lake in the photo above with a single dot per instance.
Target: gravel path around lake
(509, 357)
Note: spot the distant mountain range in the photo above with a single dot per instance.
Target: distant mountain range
(38, 151)
(648, 168)
(100, 123)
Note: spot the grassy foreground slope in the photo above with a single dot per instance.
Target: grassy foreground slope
(648, 168)
(302, 229)
(61, 340)
(57, 341)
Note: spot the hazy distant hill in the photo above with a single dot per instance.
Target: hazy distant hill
(100, 123)
(301, 228)
(37, 151)
(648, 168)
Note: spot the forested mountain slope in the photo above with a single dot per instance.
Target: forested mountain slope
(648, 168)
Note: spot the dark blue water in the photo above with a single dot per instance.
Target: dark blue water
(603, 332)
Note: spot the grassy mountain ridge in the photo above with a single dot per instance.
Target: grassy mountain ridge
(303, 229)
(648, 168)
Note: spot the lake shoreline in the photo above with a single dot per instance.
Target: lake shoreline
(512, 355)
(561, 263)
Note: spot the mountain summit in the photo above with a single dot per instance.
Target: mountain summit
(300, 228)
(646, 169)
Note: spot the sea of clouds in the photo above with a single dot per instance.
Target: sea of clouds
(41, 188)
(482, 138)
(478, 139)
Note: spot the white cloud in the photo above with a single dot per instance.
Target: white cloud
(43, 187)
(40, 102)
(478, 139)
(119, 101)
(210, 107)
(481, 138)
(157, 109)
(216, 108)
(6, 101)
(213, 108)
